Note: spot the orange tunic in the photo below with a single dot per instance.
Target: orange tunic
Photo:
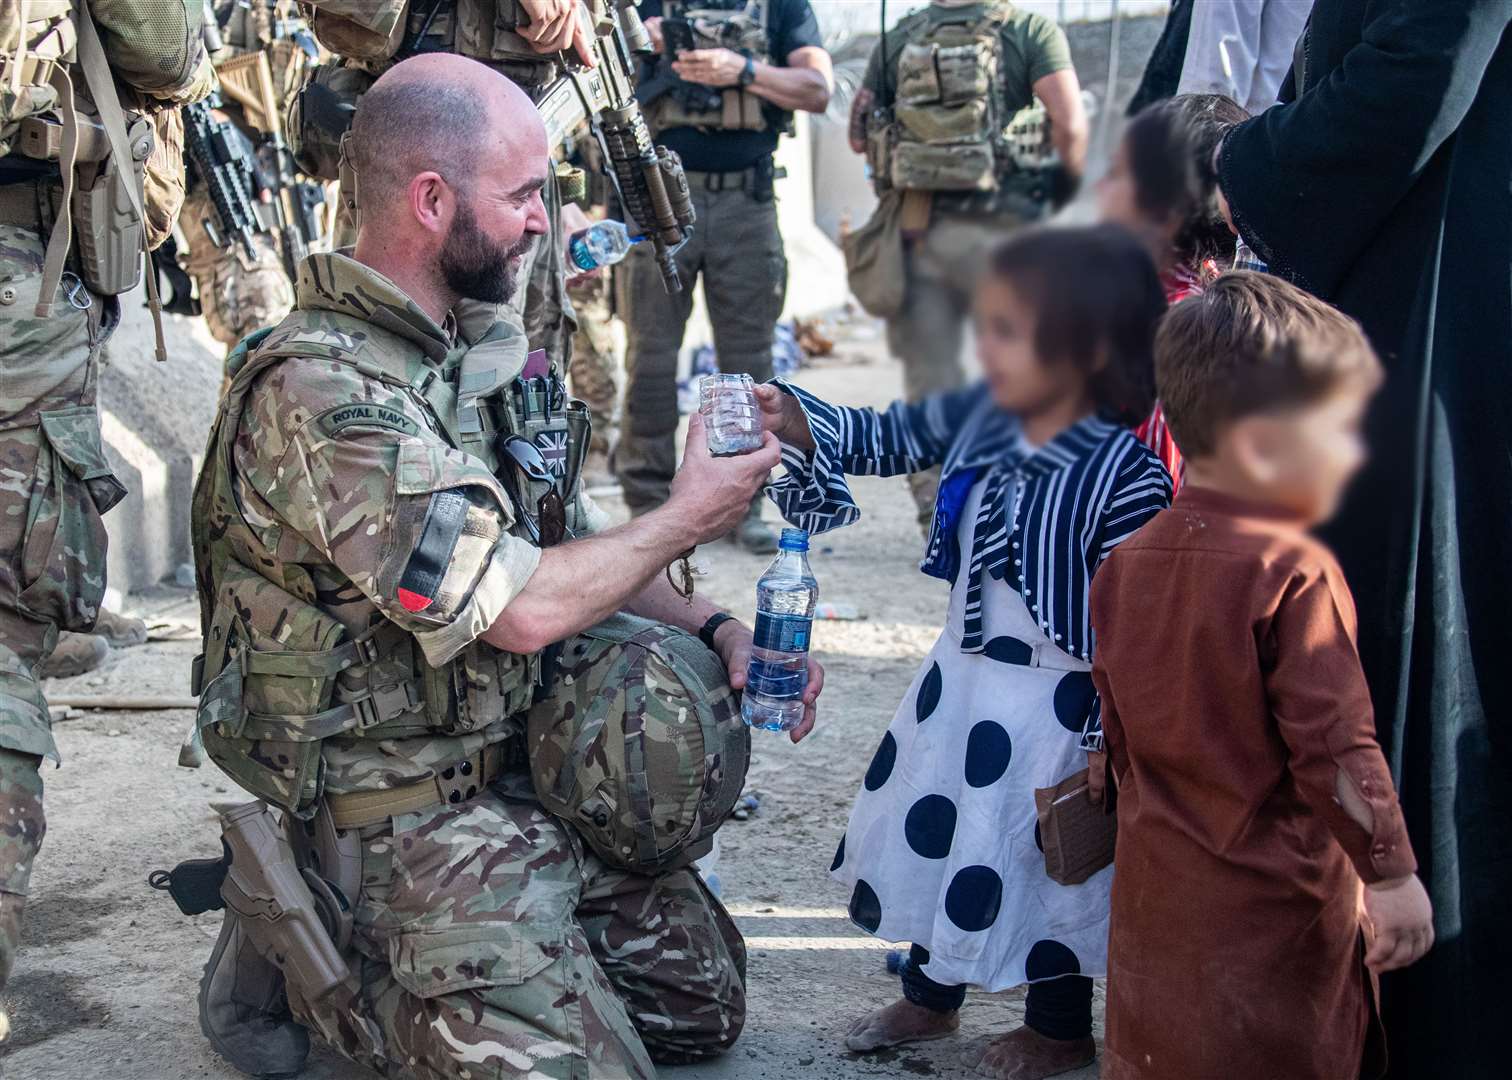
(1232, 699)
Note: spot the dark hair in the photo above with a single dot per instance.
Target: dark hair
(1252, 343)
(1170, 153)
(1097, 299)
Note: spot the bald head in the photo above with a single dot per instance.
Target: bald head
(444, 114)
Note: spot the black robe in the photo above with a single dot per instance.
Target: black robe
(1386, 188)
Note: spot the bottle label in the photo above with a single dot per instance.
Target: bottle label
(774, 681)
(783, 633)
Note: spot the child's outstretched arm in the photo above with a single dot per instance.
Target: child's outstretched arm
(1318, 695)
(822, 443)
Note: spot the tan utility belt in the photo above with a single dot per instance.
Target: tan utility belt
(454, 784)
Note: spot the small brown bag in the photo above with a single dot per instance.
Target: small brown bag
(874, 259)
(1077, 835)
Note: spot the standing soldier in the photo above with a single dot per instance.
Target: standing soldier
(244, 282)
(87, 97)
(729, 77)
(463, 696)
(934, 118)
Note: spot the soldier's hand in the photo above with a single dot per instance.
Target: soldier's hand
(556, 25)
(733, 642)
(712, 493)
(654, 32)
(711, 67)
(784, 417)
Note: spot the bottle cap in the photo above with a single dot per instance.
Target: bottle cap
(793, 540)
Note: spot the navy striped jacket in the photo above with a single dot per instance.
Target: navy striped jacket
(1046, 521)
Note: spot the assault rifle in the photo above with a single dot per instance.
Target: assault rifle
(248, 81)
(648, 179)
(218, 158)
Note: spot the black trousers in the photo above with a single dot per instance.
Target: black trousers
(1056, 1008)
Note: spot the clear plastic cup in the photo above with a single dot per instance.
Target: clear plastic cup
(732, 419)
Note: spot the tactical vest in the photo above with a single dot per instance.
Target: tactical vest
(279, 674)
(949, 120)
(741, 27)
(89, 153)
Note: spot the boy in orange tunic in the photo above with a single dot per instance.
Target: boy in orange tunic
(1253, 799)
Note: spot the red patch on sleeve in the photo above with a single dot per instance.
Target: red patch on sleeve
(413, 601)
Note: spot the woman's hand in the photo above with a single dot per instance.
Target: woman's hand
(733, 643)
(783, 417)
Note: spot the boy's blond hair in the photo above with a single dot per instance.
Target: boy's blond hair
(1252, 343)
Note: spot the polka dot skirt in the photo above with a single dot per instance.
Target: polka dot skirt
(942, 849)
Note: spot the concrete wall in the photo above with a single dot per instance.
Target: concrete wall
(155, 417)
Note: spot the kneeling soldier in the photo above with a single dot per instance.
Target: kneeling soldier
(401, 585)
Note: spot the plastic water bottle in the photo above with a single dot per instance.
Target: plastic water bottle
(600, 245)
(732, 419)
(778, 675)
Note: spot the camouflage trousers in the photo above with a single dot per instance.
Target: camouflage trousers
(928, 334)
(491, 942)
(237, 294)
(594, 378)
(55, 484)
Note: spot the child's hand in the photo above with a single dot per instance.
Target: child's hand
(783, 417)
(1402, 917)
(1097, 776)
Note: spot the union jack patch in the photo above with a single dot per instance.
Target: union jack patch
(553, 448)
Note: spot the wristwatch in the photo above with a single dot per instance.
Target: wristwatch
(707, 631)
(748, 73)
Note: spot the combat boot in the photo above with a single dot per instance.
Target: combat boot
(243, 1011)
(75, 654)
(753, 534)
(122, 631)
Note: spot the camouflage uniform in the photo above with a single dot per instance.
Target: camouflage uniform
(487, 939)
(594, 364)
(55, 482)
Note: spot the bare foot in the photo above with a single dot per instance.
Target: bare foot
(1025, 1054)
(899, 1023)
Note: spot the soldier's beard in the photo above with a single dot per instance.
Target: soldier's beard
(474, 267)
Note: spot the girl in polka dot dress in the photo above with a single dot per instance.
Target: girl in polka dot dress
(1041, 478)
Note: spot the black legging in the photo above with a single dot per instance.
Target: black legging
(1056, 1008)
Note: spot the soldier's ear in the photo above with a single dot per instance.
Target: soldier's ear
(432, 201)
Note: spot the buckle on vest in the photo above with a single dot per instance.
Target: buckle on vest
(380, 706)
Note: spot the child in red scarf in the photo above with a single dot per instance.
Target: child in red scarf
(1161, 186)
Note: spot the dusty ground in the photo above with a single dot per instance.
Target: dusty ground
(105, 985)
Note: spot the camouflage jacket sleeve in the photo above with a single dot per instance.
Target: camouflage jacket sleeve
(152, 45)
(353, 469)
